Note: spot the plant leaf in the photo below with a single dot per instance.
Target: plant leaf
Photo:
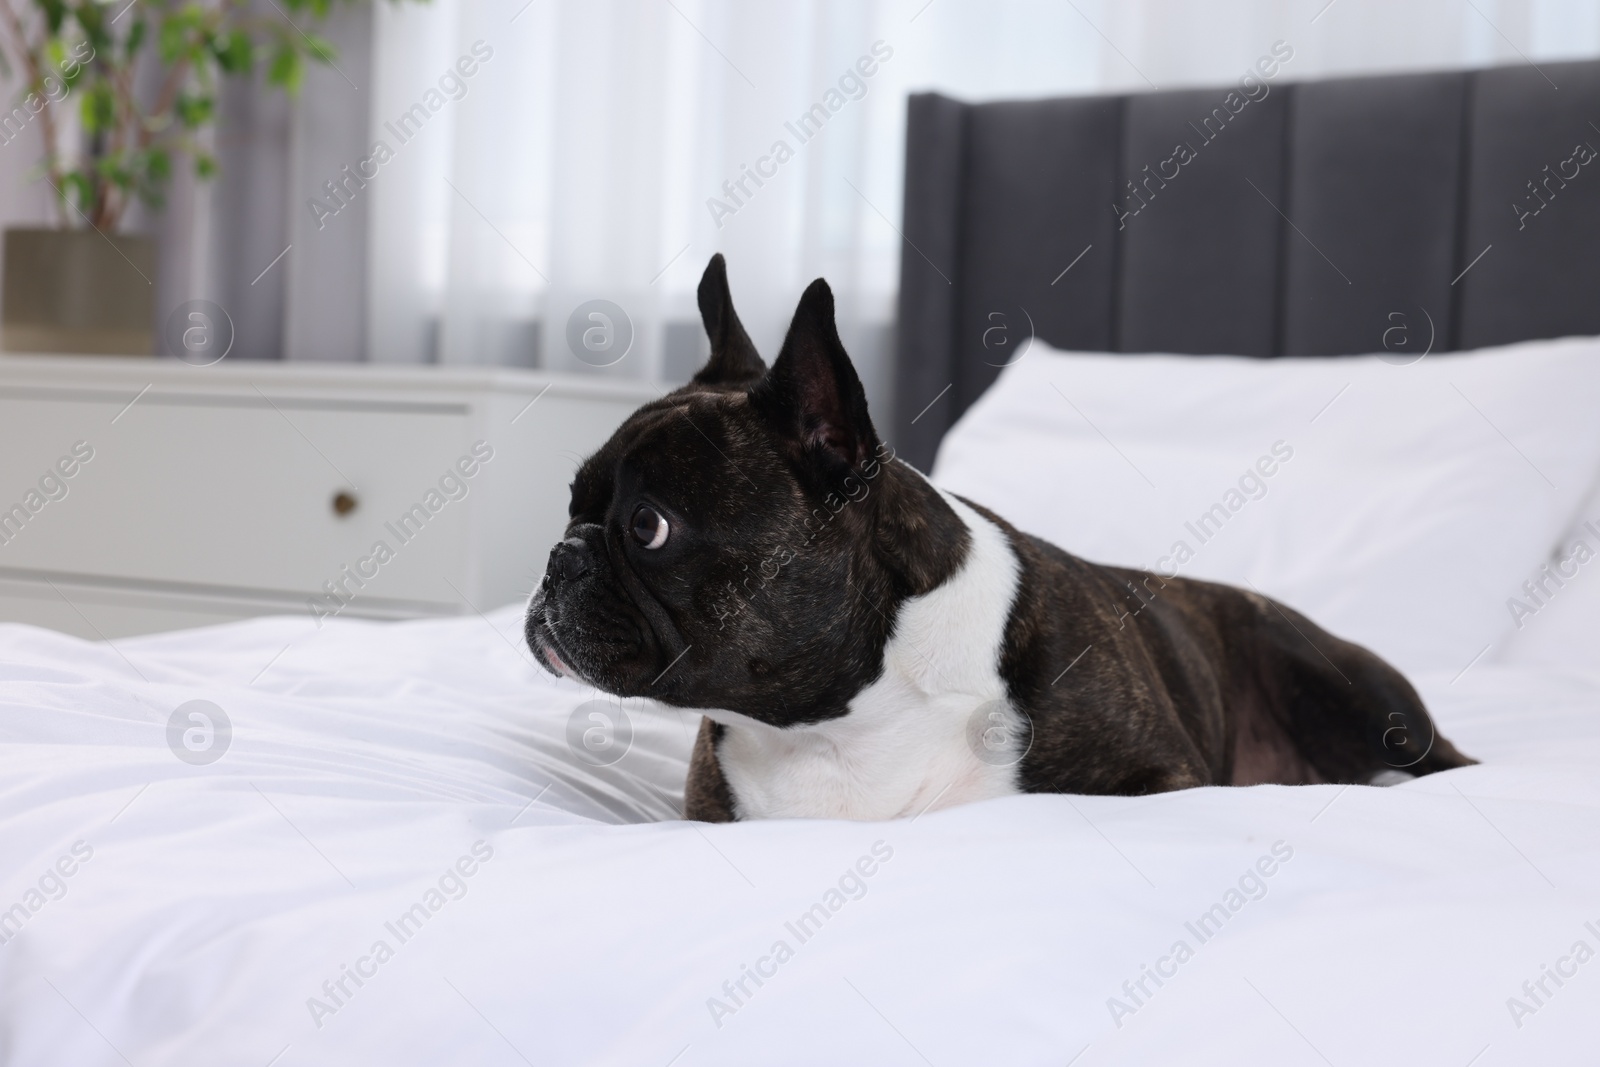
(98, 109)
(286, 69)
(234, 53)
(171, 38)
(136, 34)
(55, 13)
(157, 166)
(77, 186)
(194, 110)
(320, 48)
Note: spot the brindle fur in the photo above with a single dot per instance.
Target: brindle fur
(1133, 683)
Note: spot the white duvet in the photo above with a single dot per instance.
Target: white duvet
(398, 859)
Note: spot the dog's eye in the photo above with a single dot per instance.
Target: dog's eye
(649, 527)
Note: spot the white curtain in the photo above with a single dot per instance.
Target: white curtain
(587, 155)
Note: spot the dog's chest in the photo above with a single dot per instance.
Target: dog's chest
(923, 735)
(858, 769)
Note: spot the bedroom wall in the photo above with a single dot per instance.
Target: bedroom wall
(636, 103)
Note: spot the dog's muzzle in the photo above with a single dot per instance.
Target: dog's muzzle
(569, 561)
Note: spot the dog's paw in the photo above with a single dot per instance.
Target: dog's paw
(1390, 776)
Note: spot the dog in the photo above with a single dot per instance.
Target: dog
(863, 645)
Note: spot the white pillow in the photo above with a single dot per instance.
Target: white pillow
(1395, 505)
(1555, 617)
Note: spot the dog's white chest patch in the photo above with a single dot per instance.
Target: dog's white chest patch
(923, 735)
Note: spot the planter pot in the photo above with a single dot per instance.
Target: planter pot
(78, 291)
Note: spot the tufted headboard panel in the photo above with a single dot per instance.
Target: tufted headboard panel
(1265, 219)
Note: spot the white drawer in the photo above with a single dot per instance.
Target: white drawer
(237, 491)
(211, 495)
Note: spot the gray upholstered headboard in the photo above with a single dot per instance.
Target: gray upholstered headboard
(1298, 223)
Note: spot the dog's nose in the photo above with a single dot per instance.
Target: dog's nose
(569, 560)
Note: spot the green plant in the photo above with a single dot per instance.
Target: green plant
(121, 89)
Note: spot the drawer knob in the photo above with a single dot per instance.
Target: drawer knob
(344, 503)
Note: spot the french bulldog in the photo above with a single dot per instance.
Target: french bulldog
(863, 645)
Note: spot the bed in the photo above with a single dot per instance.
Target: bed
(278, 843)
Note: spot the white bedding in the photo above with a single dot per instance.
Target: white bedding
(368, 759)
(1397, 506)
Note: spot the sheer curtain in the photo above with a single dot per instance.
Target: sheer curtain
(606, 148)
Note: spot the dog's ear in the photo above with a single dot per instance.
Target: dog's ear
(734, 360)
(812, 397)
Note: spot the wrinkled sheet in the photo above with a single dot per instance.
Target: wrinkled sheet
(213, 909)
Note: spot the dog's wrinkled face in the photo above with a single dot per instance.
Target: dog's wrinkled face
(722, 549)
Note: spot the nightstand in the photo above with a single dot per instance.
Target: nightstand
(140, 495)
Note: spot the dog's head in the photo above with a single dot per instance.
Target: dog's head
(743, 543)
